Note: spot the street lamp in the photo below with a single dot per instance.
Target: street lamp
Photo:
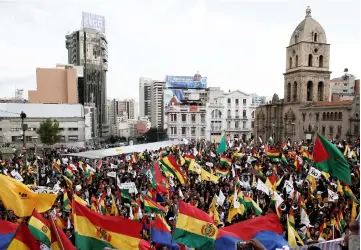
(24, 127)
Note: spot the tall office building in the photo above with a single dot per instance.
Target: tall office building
(145, 84)
(157, 105)
(88, 47)
(126, 108)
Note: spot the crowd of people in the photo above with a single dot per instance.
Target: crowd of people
(318, 205)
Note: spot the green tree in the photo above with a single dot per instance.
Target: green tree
(49, 132)
(156, 134)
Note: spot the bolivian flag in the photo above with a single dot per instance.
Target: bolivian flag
(23, 239)
(189, 158)
(249, 202)
(69, 172)
(273, 153)
(225, 161)
(222, 172)
(96, 231)
(60, 222)
(194, 227)
(171, 164)
(60, 242)
(66, 201)
(18, 197)
(40, 228)
(69, 183)
(152, 207)
(348, 192)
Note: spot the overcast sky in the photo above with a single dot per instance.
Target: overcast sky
(237, 44)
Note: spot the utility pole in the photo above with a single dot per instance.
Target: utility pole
(24, 127)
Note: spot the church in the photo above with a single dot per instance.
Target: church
(305, 109)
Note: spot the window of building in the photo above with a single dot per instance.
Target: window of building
(229, 113)
(173, 117)
(344, 90)
(252, 114)
(237, 102)
(315, 37)
(309, 91)
(244, 114)
(356, 129)
(323, 130)
(345, 84)
(193, 117)
(236, 124)
(184, 130)
(323, 116)
(340, 115)
(203, 131)
(296, 61)
(310, 60)
(244, 102)
(73, 129)
(203, 118)
(290, 63)
(73, 137)
(244, 124)
(173, 130)
(193, 131)
(229, 100)
(331, 130)
(252, 124)
(289, 92)
(331, 116)
(237, 113)
(320, 90)
(184, 117)
(228, 125)
(295, 91)
(339, 130)
(320, 61)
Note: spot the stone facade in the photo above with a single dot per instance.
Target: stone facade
(305, 109)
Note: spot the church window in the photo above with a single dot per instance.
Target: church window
(289, 92)
(310, 91)
(324, 116)
(320, 90)
(295, 91)
(323, 130)
(328, 116)
(340, 115)
(290, 66)
(320, 63)
(331, 116)
(296, 61)
(310, 60)
(315, 37)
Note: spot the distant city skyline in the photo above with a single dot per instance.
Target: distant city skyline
(236, 44)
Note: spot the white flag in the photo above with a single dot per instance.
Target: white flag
(304, 218)
(332, 196)
(233, 172)
(181, 194)
(17, 176)
(112, 174)
(221, 198)
(262, 187)
(314, 172)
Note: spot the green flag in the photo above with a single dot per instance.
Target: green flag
(125, 196)
(328, 158)
(222, 145)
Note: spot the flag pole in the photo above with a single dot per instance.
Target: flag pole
(17, 229)
(56, 233)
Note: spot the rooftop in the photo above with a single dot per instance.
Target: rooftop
(39, 110)
(328, 104)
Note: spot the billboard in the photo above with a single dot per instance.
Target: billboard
(186, 82)
(92, 21)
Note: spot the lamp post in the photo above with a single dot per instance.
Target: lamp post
(24, 127)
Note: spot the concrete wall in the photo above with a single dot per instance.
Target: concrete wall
(55, 86)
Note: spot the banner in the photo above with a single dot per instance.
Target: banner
(112, 174)
(314, 172)
(289, 187)
(262, 187)
(332, 196)
(130, 186)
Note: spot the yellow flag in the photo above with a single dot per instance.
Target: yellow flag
(339, 187)
(206, 176)
(213, 212)
(18, 197)
(235, 208)
(353, 211)
(182, 160)
(194, 167)
(114, 210)
(292, 236)
(312, 182)
(80, 200)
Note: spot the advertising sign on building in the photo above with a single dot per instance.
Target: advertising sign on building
(187, 82)
(92, 21)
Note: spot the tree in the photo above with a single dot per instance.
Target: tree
(49, 132)
(156, 134)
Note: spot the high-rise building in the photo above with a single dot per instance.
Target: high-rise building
(145, 84)
(157, 107)
(120, 108)
(344, 87)
(89, 48)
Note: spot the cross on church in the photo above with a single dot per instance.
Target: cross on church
(308, 11)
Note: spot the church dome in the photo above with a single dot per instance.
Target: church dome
(309, 30)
